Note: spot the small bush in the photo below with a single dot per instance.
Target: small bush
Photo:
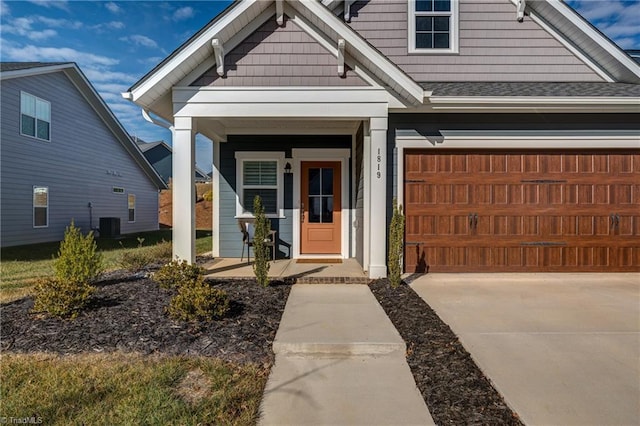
(208, 196)
(396, 245)
(78, 258)
(176, 273)
(198, 301)
(77, 264)
(163, 251)
(134, 260)
(61, 298)
(260, 250)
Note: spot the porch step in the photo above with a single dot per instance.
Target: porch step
(343, 320)
(332, 280)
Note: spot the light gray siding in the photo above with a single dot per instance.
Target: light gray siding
(279, 56)
(230, 236)
(493, 45)
(81, 164)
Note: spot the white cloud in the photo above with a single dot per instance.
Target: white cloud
(30, 53)
(112, 25)
(59, 23)
(111, 87)
(151, 61)
(617, 19)
(112, 7)
(140, 40)
(24, 27)
(59, 4)
(4, 8)
(102, 75)
(183, 13)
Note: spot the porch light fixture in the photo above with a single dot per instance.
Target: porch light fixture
(287, 169)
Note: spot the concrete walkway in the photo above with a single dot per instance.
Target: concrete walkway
(339, 361)
(560, 348)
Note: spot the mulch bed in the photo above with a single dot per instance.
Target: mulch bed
(454, 388)
(127, 314)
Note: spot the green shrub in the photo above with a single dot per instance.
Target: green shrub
(135, 260)
(77, 264)
(176, 273)
(163, 251)
(61, 298)
(78, 259)
(260, 250)
(198, 301)
(208, 196)
(396, 245)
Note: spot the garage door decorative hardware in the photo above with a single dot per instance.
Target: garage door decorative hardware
(473, 220)
(543, 181)
(615, 220)
(544, 244)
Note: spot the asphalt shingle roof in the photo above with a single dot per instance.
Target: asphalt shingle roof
(15, 66)
(579, 89)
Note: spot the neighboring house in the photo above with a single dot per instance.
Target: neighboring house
(65, 156)
(508, 130)
(160, 157)
(635, 54)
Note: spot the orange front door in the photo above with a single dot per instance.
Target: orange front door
(320, 203)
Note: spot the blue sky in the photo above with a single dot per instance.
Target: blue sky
(116, 43)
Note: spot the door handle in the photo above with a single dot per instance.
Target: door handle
(617, 220)
(470, 220)
(301, 212)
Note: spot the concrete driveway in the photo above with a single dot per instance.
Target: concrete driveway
(561, 348)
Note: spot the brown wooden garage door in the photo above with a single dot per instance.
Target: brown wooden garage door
(522, 211)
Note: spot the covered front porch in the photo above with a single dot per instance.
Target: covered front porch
(294, 133)
(347, 271)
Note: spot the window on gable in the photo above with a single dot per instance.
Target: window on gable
(433, 26)
(40, 206)
(260, 174)
(35, 117)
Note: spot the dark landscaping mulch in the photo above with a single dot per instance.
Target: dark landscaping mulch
(127, 314)
(454, 388)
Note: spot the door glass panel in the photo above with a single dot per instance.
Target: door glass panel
(315, 209)
(327, 209)
(320, 195)
(314, 182)
(327, 181)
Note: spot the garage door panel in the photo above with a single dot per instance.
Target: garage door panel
(502, 211)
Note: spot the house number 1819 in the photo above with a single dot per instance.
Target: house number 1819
(379, 161)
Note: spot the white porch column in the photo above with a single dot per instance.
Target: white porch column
(378, 197)
(215, 188)
(183, 187)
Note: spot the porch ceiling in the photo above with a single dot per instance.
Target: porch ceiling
(219, 128)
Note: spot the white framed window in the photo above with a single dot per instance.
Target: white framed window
(433, 26)
(260, 173)
(131, 207)
(40, 206)
(35, 117)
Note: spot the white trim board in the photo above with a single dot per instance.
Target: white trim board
(318, 154)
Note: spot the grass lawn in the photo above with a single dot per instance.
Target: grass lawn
(22, 266)
(129, 389)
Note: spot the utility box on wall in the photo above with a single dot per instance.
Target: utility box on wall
(109, 227)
